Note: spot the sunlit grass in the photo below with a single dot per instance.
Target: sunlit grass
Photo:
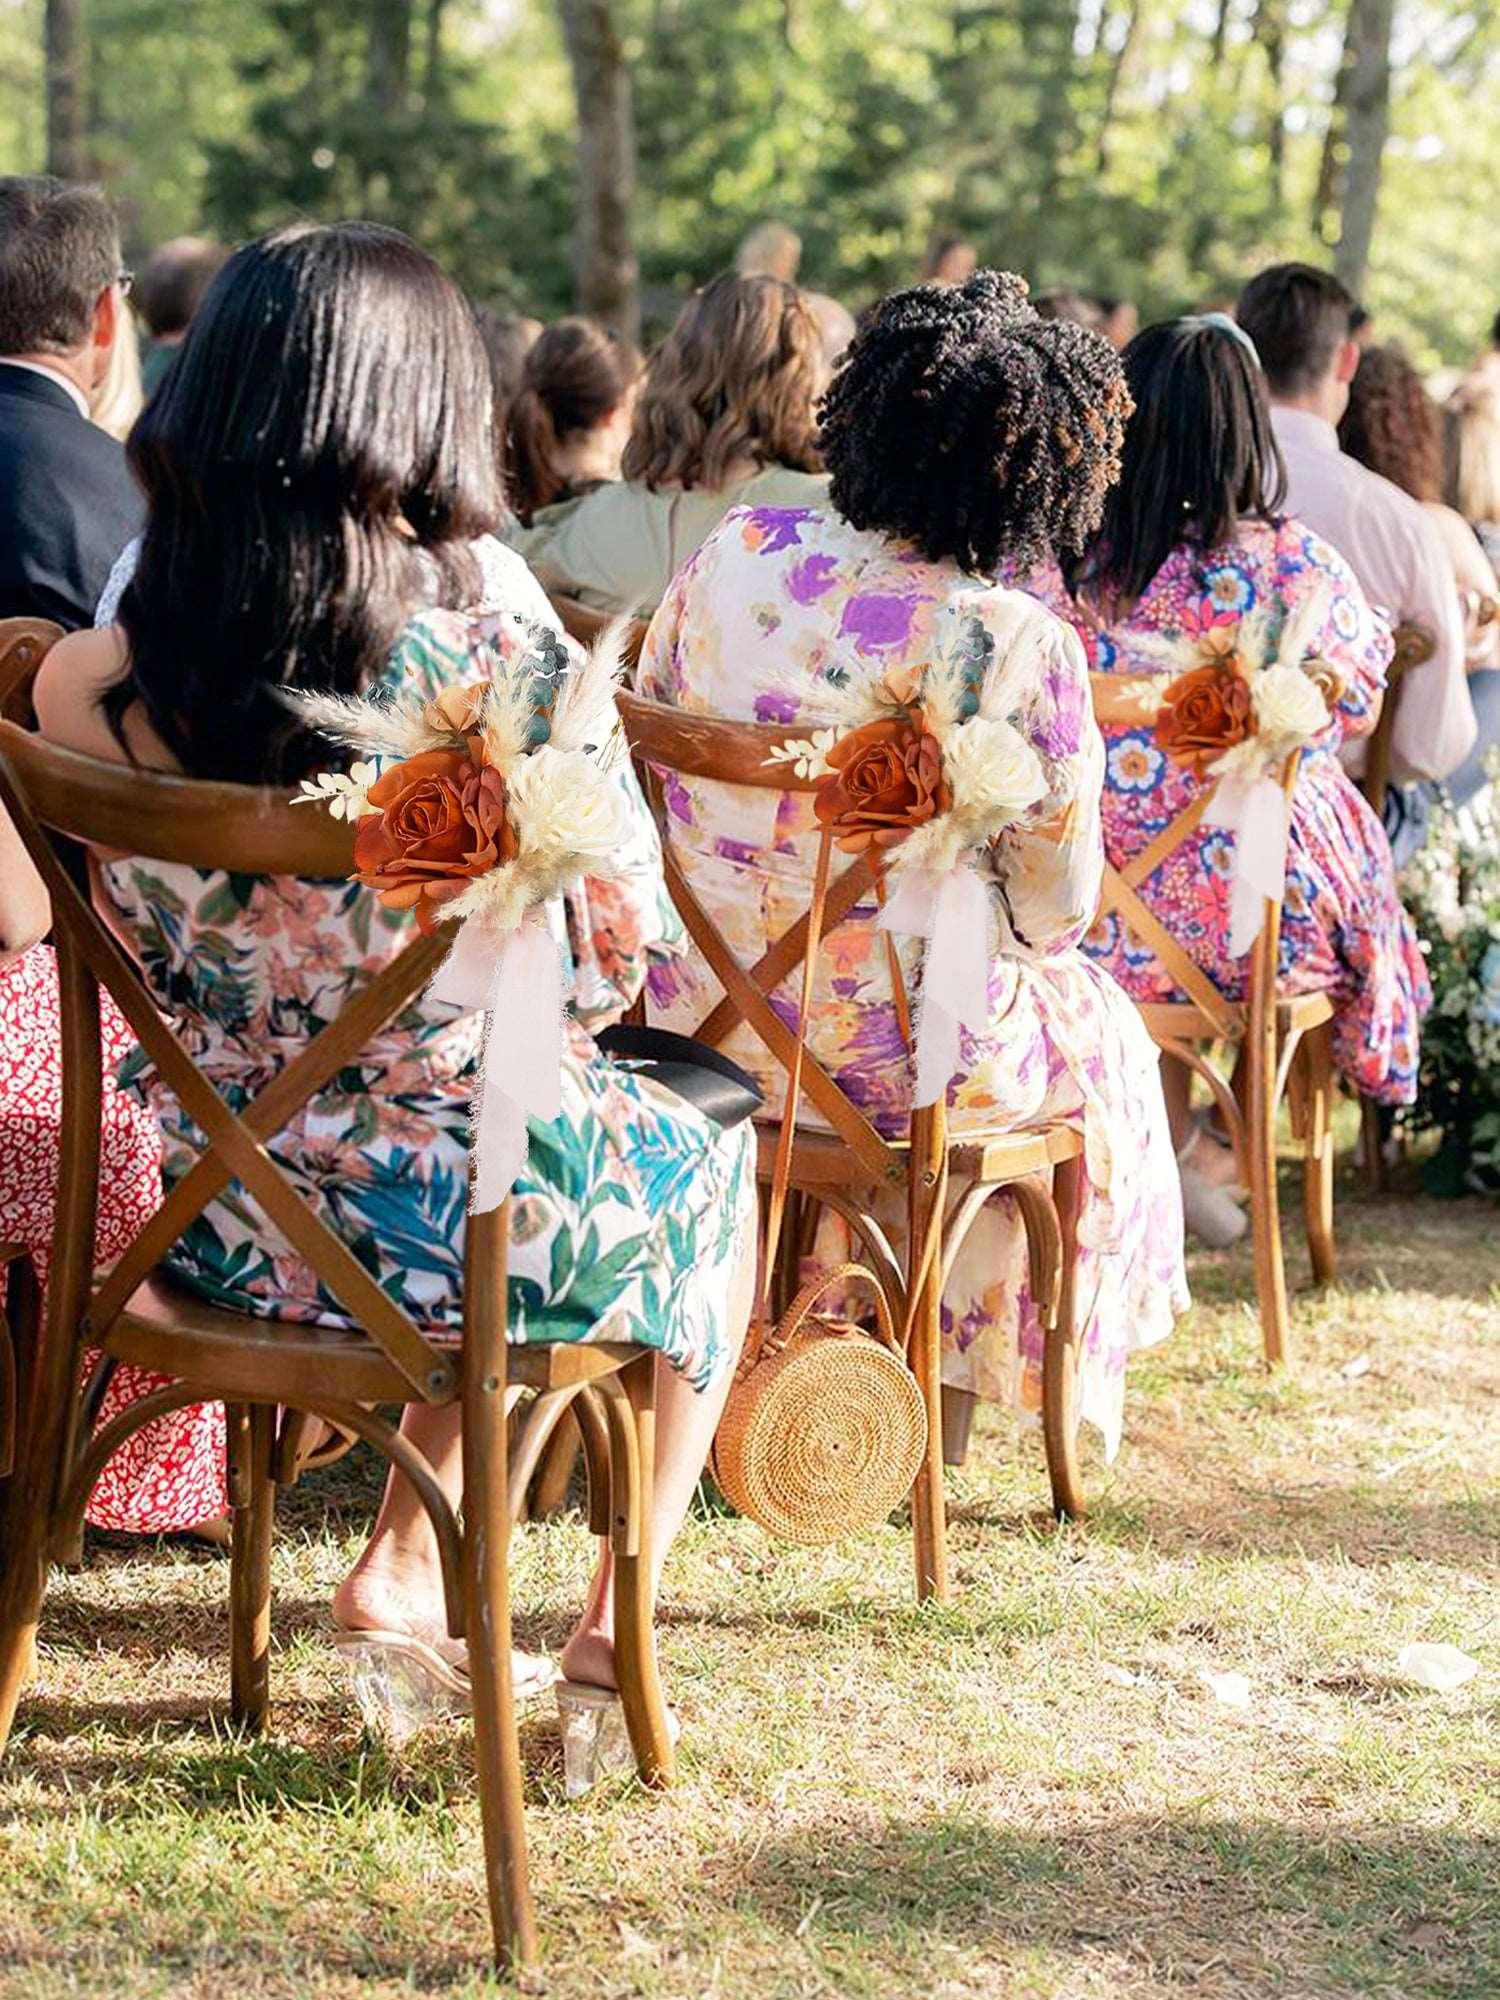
(1031, 1792)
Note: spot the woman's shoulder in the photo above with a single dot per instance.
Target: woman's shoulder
(70, 685)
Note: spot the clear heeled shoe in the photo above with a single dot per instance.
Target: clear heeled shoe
(403, 1683)
(595, 1739)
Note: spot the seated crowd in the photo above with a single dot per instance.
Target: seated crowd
(344, 480)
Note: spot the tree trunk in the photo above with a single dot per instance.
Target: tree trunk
(1329, 192)
(67, 97)
(1369, 115)
(434, 73)
(388, 56)
(1119, 64)
(1218, 41)
(1270, 32)
(608, 286)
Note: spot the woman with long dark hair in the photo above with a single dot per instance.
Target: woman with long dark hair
(320, 471)
(1192, 540)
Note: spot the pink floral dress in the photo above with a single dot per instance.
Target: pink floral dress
(778, 605)
(170, 1474)
(1343, 927)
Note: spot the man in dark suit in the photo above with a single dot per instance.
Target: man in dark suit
(68, 504)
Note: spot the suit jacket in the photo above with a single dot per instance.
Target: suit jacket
(68, 503)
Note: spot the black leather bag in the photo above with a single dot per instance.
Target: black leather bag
(693, 1071)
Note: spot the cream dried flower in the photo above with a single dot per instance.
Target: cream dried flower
(807, 755)
(994, 772)
(1288, 705)
(345, 797)
(569, 817)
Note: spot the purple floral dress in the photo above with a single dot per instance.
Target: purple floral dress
(1343, 927)
(777, 607)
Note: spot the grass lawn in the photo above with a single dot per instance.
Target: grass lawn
(1033, 1792)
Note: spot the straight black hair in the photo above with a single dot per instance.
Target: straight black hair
(1200, 457)
(316, 466)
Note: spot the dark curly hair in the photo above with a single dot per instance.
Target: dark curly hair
(1392, 425)
(961, 421)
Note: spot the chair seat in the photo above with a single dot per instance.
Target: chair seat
(821, 1159)
(238, 1358)
(1181, 1021)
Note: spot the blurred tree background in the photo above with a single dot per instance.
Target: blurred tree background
(1158, 149)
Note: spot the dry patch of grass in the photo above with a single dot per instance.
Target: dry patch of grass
(1034, 1792)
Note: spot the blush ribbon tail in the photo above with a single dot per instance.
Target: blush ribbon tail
(1258, 813)
(951, 911)
(516, 982)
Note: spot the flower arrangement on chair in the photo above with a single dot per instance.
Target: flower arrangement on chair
(928, 774)
(1252, 697)
(484, 803)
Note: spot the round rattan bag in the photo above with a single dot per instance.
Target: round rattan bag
(825, 1426)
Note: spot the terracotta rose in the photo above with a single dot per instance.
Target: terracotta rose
(1204, 713)
(441, 821)
(887, 778)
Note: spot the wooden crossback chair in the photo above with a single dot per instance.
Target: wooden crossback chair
(1414, 647)
(261, 1367)
(946, 1178)
(24, 644)
(1285, 1039)
(583, 623)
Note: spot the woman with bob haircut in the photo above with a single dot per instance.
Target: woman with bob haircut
(1192, 540)
(961, 431)
(320, 476)
(725, 419)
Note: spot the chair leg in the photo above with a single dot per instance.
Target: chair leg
(554, 1476)
(928, 1504)
(1265, 1213)
(252, 1492)
(959, 1406)
(25, 1524)
(1372, 1145)
(1060, 1360)
(1316, 1058)
(486, 1510)
(633, 1476)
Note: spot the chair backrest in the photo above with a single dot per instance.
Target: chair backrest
(583, 623)
(24, 644)
(669, 741)
(1414, 646)
(56, 798)
(1129, 701)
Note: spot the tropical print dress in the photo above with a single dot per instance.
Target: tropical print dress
(777, 606)
(629, 1220)
(170, 1473)
(1343, 928)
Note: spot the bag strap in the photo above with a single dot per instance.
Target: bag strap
(791, 1321)
(781, 1171)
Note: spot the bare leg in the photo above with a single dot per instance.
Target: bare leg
(397, 1583)
(1214, 1161)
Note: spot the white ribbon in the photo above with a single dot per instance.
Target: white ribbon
(519, 988)
(952, 912)
(1258, 813)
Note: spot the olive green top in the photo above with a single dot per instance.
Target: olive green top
(618, 548)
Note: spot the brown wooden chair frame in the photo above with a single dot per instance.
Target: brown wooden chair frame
(1414, 647)
(583, 623)
(1286, 1041)
(270, 1373)
(946, 1178)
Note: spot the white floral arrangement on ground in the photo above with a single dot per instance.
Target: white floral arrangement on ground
(1452, 889)
(482, 803)
(925, 772)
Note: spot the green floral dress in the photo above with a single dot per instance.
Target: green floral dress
(629, 1217)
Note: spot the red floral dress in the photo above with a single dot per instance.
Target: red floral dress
(170, 1474)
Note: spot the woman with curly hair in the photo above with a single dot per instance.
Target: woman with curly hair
(961, 431)
(1192, 541)
(1394, 427)
(725, 419)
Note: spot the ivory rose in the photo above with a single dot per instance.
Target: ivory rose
(1290, 704)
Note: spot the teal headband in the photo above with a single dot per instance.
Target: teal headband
(1221, 323)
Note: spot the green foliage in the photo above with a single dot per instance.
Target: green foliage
(1110, 144)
